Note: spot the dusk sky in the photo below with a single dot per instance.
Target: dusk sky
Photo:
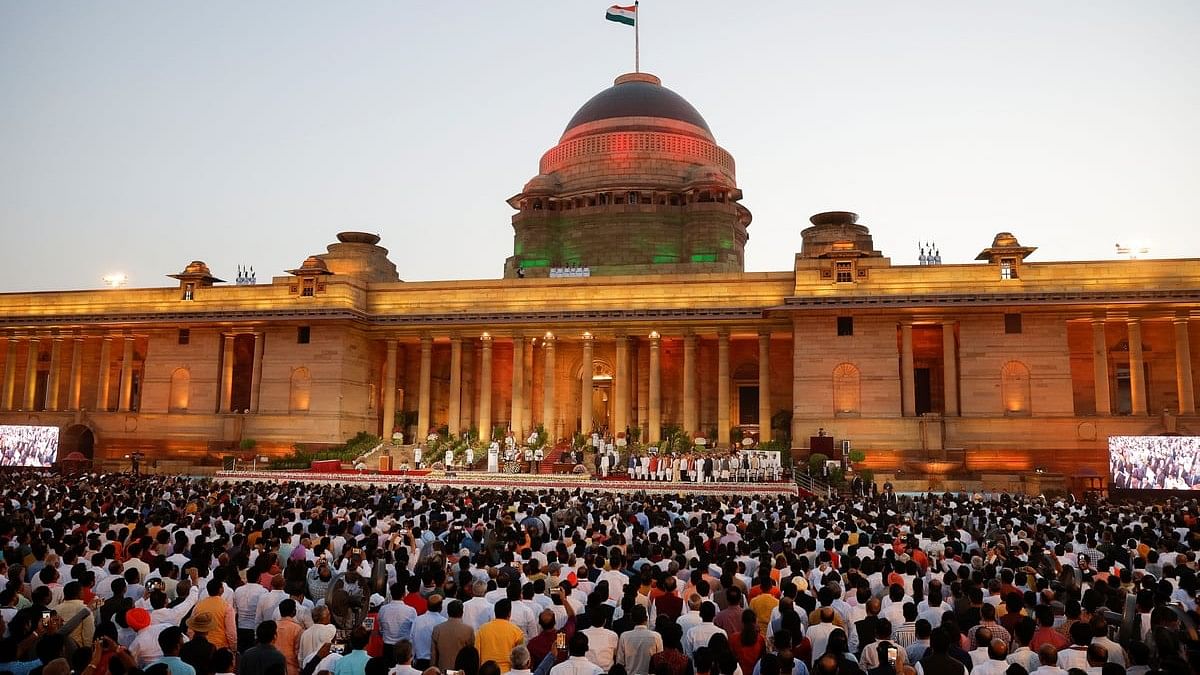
(138, 136)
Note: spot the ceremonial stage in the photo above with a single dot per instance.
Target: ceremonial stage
(485, 480)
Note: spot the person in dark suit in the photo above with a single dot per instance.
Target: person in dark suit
(865, 628)
(708, 469)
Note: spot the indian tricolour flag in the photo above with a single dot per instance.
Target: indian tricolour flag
(625, 15)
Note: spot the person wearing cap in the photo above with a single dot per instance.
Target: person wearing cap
(198, 651)
(144, 648)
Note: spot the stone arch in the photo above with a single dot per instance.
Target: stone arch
(1015, 389)
(299, 391)
(77, 438)
(180, 391)
(847, 389)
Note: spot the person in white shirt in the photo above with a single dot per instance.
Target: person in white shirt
(997, 661)
(319, 634)
(1048, 658)
(478, 611)
(699, 636)
(577, 663)
(602, 642)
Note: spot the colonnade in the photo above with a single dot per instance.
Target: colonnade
(548, 344)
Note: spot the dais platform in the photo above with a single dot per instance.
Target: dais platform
(481, 479)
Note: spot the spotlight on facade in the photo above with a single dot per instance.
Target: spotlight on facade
(115, 280)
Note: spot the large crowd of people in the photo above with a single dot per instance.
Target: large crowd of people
(1155, 462)
(123, 574)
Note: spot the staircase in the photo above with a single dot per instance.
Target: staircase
(811, 487)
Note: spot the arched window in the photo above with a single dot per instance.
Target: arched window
(181, 390)
(846, 389)
(301, 386)
(1015, 389)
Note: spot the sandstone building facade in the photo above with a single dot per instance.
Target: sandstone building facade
(1003, 365)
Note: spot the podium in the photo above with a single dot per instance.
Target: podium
(825, 446)
(385, 462)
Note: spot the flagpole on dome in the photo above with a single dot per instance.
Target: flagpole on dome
(637, 46)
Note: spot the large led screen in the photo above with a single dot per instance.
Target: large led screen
(28, 445)
(1154, 462)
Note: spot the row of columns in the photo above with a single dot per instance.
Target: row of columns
(28, 399)
(1137, 370)
(622, 385)
(1137, 366)
(227, 362)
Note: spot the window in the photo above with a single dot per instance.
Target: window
(845, 326)
(844, 271)
(1012, 324)
(303, 334)
(189, 291)
(180, 391)
(1014, 388)
(1008, 268)
(307, 287)
(185, 336)
(633, 197)
(846, 390)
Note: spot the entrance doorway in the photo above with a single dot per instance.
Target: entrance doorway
(923, 388)
(77, 438)
(602, 393)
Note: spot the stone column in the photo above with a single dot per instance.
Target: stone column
(654, 424)
(518, 387)
(10, 371)
(908, 393)
(105, 374)
(548, 411)
(52, 380)
(389, 390)
(31, 361)
(76, 374)
(485, 388)
(723, 423)
(585, 387)
(127, 372)
(226, 375)
(467, 416)
(1183, 367)
(950, 368)
(454, 412)
(1137, 368)
(527, 414)
(764, 387)
(639, 386)
(690, 404)
(256, 373)
(423, 421)
(621, 408)
(1100, 368)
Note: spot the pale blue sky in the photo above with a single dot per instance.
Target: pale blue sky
(137, 136)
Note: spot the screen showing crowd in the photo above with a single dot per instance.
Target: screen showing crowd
(1154, 462)
(28, 445)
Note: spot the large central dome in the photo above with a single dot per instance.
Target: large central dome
(637, 95)
(636, 185)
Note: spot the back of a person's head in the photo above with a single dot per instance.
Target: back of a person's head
(702, 660)
(827, 665)
(265, 632)
(578, 644)
(222, 661)
(708, 611)
(1081, 633)
(1048, 655)
(503, 608)
(359, 637)
(455, 609)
